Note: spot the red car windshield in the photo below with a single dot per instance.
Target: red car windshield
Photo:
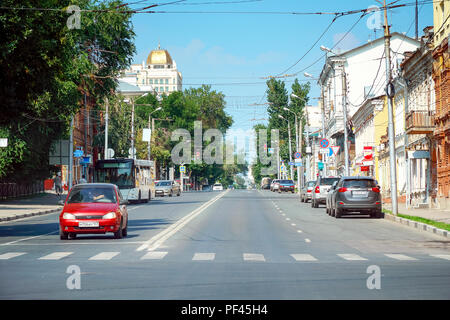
(92, 195)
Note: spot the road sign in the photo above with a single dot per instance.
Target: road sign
(335, 149)
(291, 163)
(297, 155)
(297, 160)
(270, 150)
(110, 153)
(324, 143)
(78, 153)
(3, 142)
(282, 168)
(298, 164)
(320, 165)
(146, 134)
(183, 169)
(324, 151)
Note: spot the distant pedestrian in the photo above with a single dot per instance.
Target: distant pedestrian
(83, 179)
(58, 184)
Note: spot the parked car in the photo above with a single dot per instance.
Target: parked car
(217, 187)
(274, 185)
(306, 191)
(167, 188)
(356, 194)
(265, 183)
(93, 208)
(329, 197)
(286, 185)
(319, 195)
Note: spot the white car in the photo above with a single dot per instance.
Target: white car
(217, 187)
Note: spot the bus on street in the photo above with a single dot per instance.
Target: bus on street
(135, 178)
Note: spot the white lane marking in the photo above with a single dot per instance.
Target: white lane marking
(303, 257)
(253, 257)
(203, 256)
(55, 256)
(133, 208)
(10, 255)
(104, 256)
(307, 240)
(351, 257)
(299, 231)
(399, 257)
(283, 214)
(441, 256)
(293, 224)
(154, 242)
(154, 255)
(24, 239)
(288, 219)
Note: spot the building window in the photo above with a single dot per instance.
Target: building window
(151, 81)
(167, 81)
(161, 89)
(174, 88)
(156, 89)
(167, 89)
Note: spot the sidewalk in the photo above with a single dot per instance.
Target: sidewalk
(30, 206)
(430, 214)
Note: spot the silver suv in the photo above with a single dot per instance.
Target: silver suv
(320, 191)
(167, 188)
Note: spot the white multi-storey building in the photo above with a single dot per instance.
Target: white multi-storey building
(158, 74)
(364, 71)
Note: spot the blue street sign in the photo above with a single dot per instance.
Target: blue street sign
(324, 143)
(320, 165)
(291, 163)
(298, 164)
(78, 153)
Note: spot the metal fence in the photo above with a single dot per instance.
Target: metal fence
(14, 190)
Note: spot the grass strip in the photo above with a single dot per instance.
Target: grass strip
(440, 225)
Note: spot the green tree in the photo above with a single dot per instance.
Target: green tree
(46, 70)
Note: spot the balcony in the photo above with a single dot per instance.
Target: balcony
(420, 122)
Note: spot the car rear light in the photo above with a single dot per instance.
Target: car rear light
(343, 189)
(378, 202)
(308, 190)
(340, 202)
(317, 190)
(376, 189)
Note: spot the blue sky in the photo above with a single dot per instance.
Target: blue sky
(237, 50)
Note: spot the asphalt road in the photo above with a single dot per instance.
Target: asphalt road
(234, 244)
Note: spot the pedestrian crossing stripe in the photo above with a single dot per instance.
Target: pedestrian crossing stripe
(104, 256)
(10, 255)
(211, 256)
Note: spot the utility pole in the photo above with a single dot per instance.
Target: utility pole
(106, 129)
(417, 20)
(299, 148)
(323, 130)
(132, 128)
(390, 95)
(71, 155)
(344, 110)
(290, 151)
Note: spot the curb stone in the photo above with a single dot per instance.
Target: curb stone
(418, 225)
(26, 215)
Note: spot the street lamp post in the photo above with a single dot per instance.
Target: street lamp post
(290, 144)
(298, 139)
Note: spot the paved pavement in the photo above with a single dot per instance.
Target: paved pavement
(430, 214)
(228, 245)
(30, 206)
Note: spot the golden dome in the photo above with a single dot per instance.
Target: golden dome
(159, 56)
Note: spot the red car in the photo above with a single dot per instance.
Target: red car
(94, 208)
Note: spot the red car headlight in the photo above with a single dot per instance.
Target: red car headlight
(68, 216)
